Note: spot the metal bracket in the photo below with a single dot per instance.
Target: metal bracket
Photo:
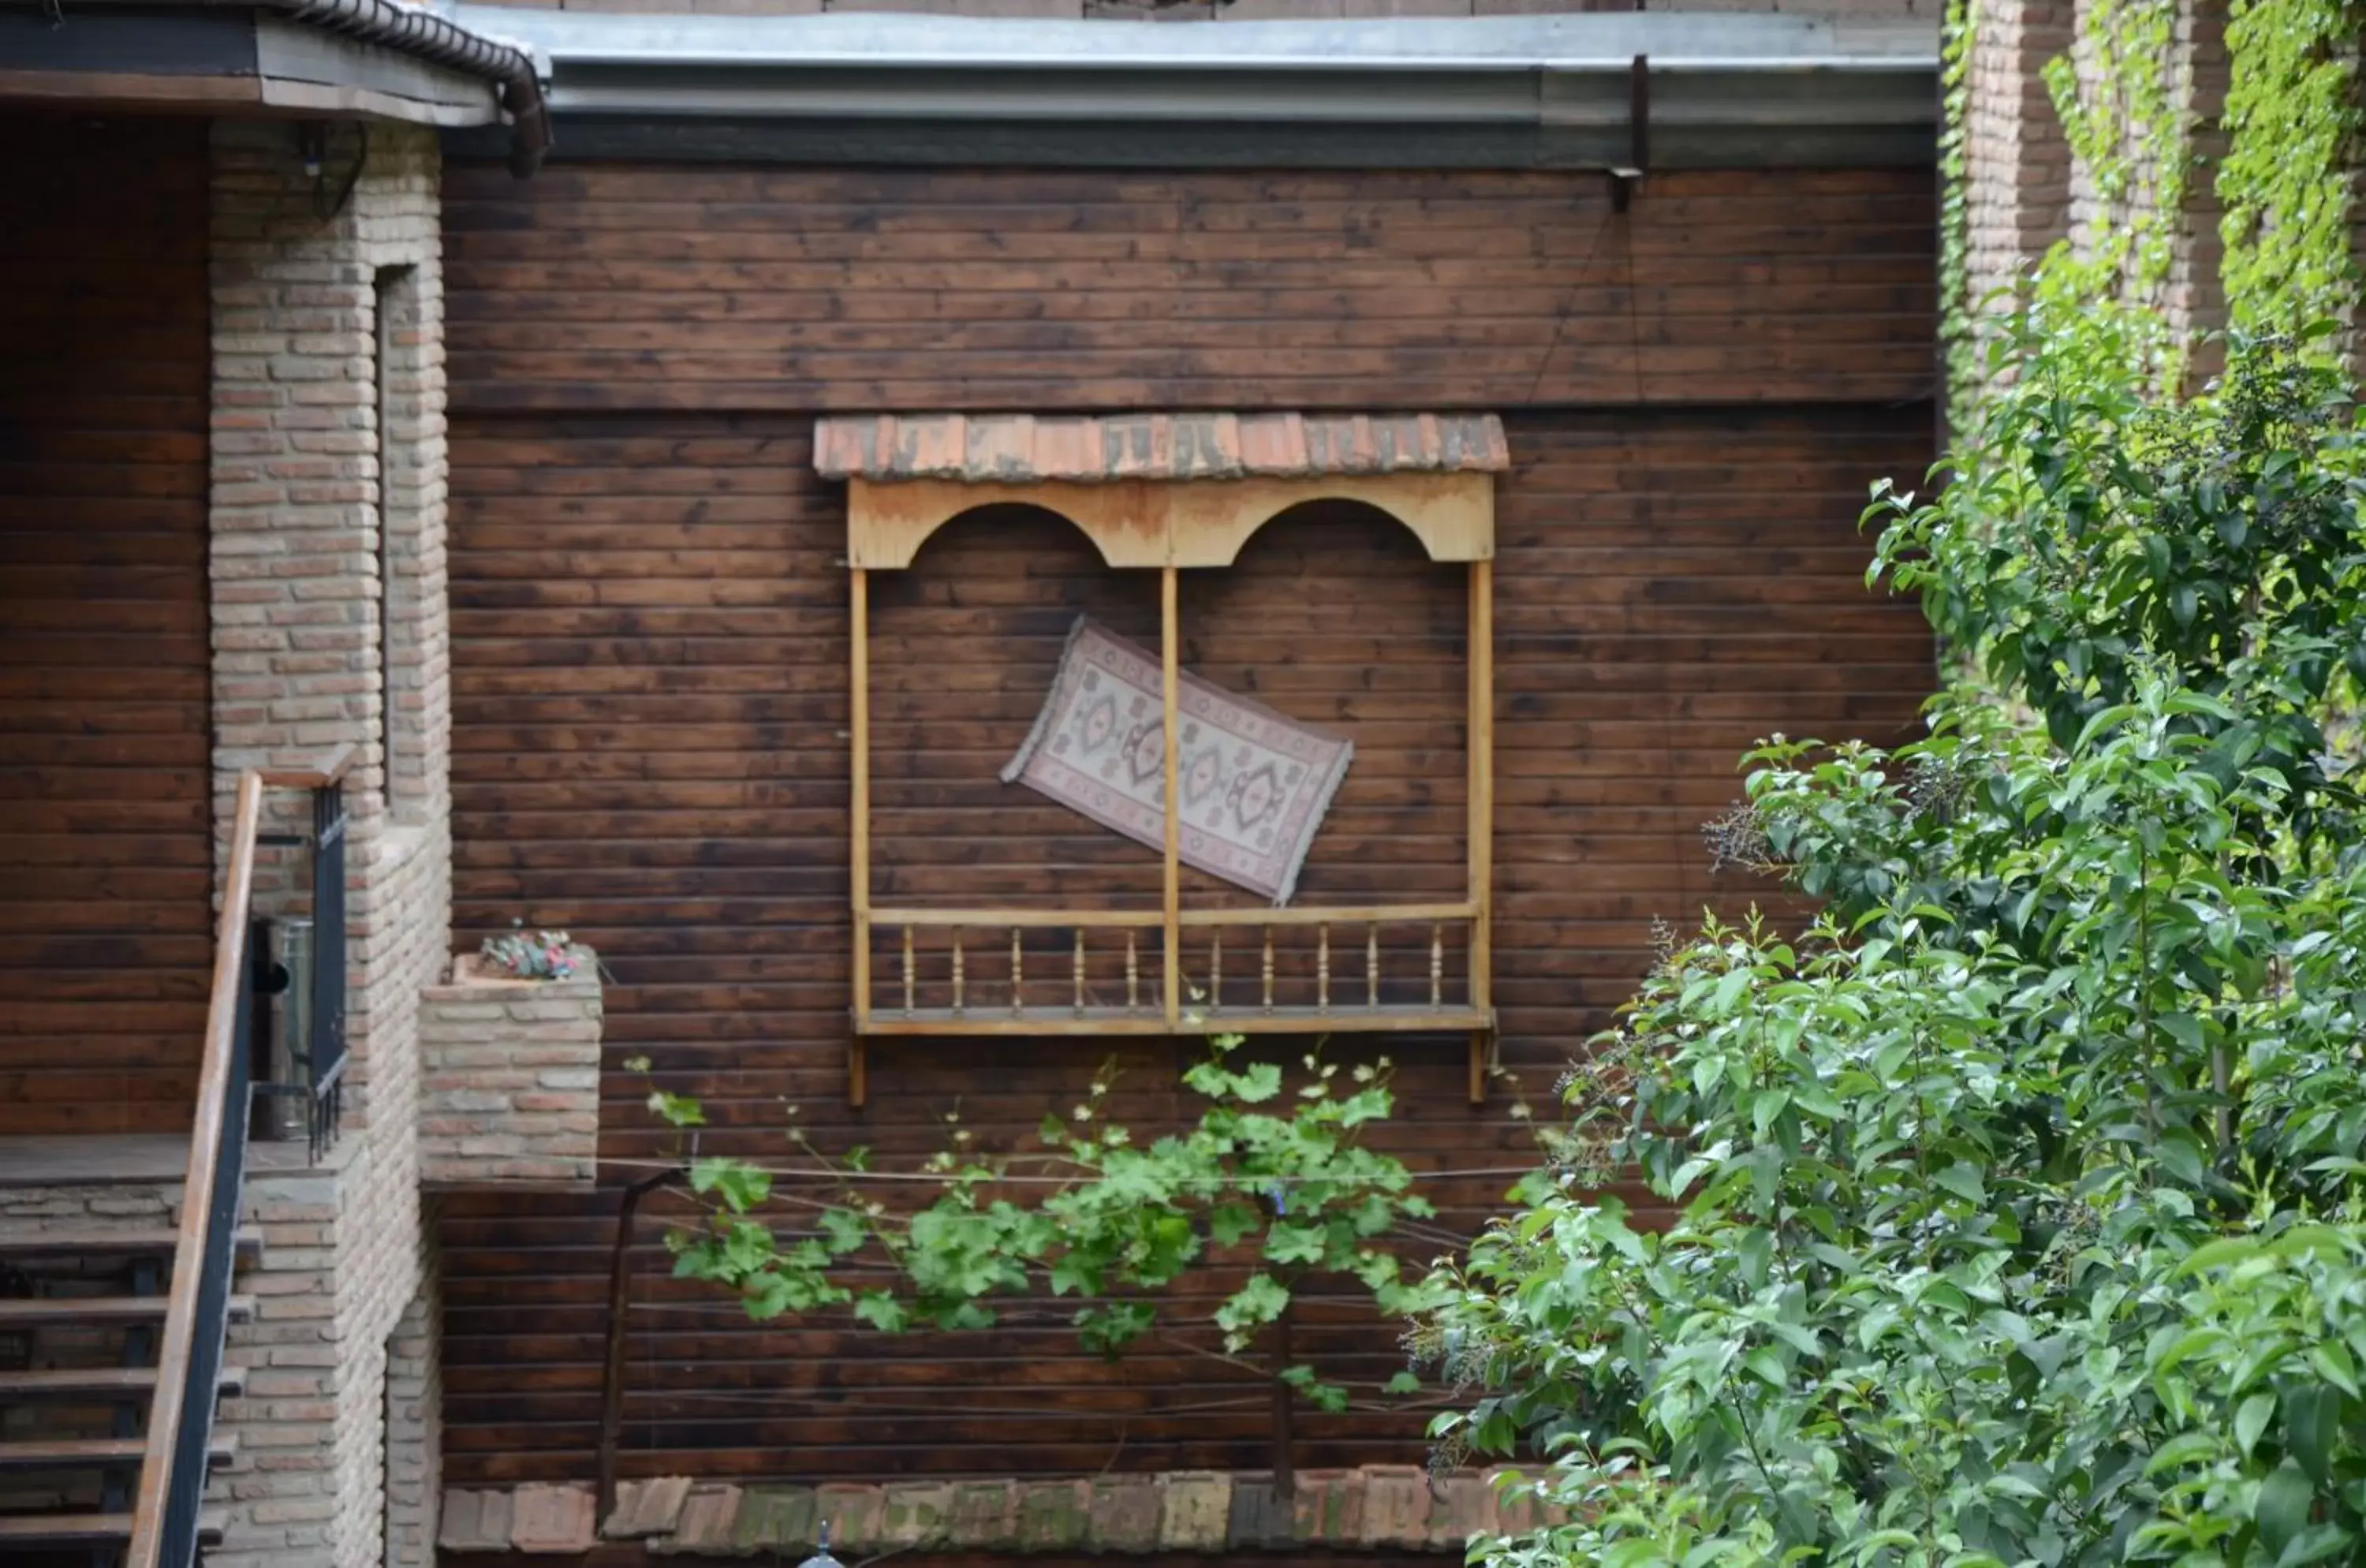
(1625, 177)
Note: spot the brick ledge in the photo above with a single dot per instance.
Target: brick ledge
(1396, 1507)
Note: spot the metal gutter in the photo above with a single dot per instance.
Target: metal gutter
(1519, 91)
(428, 35)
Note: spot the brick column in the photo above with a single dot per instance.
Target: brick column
(2016, 159)
(309, 496)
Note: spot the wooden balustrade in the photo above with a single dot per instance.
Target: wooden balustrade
(949, 979)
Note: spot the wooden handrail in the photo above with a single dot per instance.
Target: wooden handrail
(166, 1412)
(332, 768)
(1190, 919)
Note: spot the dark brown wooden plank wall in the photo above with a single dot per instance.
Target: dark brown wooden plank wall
(104, 843)
(649, 692)
(859, 289)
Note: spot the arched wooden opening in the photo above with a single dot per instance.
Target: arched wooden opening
(1170, 521)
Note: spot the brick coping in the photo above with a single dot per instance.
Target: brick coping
(1392, 1508)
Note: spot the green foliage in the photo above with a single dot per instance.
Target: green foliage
(2015, 1211)
(2291, 121)
(1274, 1177)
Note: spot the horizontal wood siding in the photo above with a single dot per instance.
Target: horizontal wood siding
(781, 288)
(104, 847)
(650, 694)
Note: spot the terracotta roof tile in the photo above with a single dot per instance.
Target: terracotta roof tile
(914, 1513)
(1125, 1513)
(708, 1518)
(553, 1520)
(474, 1521)
(1329, 1506)
(647, 1507)
(984, 1514)
(1054, 1515)
(1398, 1507)
(1197, 1514)
(1021, 448)
(852, 1512)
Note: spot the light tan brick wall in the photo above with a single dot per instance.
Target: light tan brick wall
(297, 607)
(512, 1078)
(2016, 158)
(415, 1421)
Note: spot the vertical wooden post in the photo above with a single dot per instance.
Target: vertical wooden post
(911, 984)
(1018, 976)
(1169, 659)
(859, 829)
(1322, 969)
(1077, 971)
(1481, 831)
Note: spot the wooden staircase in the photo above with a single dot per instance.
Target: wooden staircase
(78, 1375)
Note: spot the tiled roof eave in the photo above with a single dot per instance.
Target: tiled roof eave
(1020, 448)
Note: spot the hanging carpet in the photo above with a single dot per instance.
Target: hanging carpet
(1255, 783)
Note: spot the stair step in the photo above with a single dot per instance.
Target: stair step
(21, 1530)
(94, 1385)
(97, 1454)
(153, 1241)
(35, 1312)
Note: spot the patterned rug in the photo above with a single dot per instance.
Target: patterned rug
(1255, 783)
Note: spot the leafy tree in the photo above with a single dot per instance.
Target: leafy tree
(2012, 1209)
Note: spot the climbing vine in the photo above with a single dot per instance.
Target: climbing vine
(1955, 303)
(2291, 121)
(2118, 98)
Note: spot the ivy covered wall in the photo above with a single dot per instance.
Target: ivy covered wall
(2200, 156)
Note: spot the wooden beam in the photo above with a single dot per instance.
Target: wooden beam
(1481, 745)
(1137, 523)
(858, 825)
(1030, 920)
(1190, 919)
(1170, 655)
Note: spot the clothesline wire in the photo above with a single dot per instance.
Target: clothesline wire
(1013, 1179)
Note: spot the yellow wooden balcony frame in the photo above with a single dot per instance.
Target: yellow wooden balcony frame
(1169, 526)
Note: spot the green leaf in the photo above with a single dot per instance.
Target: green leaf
(2281, 1508)
(2252, 1420)
(881, 1310)
(2312, 1428)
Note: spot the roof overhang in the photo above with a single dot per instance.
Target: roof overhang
(368, 58)
(1582, 91)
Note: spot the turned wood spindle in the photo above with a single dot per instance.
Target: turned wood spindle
(957, 971)
(1077, 968)
(1132, 972)
(1322, 968)
(1268, 968)
(1018, 976)
(1372, 966)
(908, 984)
(1436, 966)
(1215, 969)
